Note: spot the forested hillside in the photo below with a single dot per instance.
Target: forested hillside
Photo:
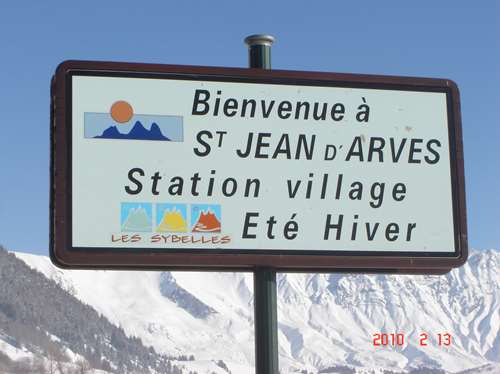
(62, 332)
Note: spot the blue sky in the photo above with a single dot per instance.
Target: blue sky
(447, 39)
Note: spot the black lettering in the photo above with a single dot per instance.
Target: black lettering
(266, 111)
(414, 150)
(397, 154)
(176, 186)
(354, 228)
(154, 186)
(331, 226)
(256, 188)
(211, 182)
(195, 179)
(197, 101)
(356, 192)
(392, 231)
(324, 185)
(270, 225)
(411, 226)
(399, 188)
(292, 193)
(434, 160)
(249, 224)
(338, 111)
(284, 109)
(199, 138)
(248, 149)
(217, 104)
(301, 104)
(302, 144)
(261, 144)
(340, 177)
(378, 196)
(321, 116)
(244, 105)
(376, 148)
(138, 184)
(230, 107)
(356, 149)
(225, 189)
(283, 147)
(309, 186)
(371, 234)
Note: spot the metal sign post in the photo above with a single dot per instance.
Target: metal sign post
(266, 321)
(264, 279)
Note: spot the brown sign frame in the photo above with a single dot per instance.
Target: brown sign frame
(64, 255)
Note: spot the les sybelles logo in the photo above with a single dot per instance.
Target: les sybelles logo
(165, 223)
(170, 217)
(122, 123)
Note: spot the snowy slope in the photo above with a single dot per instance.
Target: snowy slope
(325, 320)
(15, 353)
(9, 348)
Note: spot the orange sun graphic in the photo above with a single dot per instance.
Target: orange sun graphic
(121, 111)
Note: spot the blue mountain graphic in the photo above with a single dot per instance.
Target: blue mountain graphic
(138, 132)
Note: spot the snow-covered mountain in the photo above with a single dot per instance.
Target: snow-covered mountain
(326, 321)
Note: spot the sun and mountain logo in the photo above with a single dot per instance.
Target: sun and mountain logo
(168, 217)
(122, 123)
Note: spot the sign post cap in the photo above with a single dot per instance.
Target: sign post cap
(259, 39)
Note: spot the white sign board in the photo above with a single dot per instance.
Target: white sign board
(182, 164)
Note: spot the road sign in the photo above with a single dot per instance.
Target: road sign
(182, 167)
